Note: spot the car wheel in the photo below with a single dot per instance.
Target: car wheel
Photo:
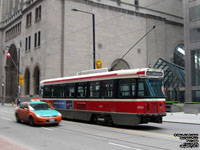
(17, 118)
(31, 121)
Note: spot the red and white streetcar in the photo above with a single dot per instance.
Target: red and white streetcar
(123, 97)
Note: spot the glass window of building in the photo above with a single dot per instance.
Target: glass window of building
(195, 67)
(196, 96)
(195, 34)
(194, 13)
(179, 55)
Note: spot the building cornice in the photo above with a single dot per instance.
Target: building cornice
(131, 12)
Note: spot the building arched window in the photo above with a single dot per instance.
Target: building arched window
(179, 55)
(36, 80)
(27, 82)
(119, 64)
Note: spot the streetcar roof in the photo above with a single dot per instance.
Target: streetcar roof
(128, 73)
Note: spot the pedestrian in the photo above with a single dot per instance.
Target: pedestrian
(18, 101)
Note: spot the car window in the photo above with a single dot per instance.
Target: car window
(22, 106)
(40, 107)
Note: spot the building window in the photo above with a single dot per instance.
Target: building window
(13, 31)
(38, 14)
(36, 80)
(195, 35)
(28, 44)
(136, 2)
(28, 19)
(37, 37)
(196, 96)
(179, 55)
(27, 82)
(194, 13)
(195, 67)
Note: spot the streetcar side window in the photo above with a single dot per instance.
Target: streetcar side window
(54, 91)
(70, 90)
(142, 89)
(94, 89)
(47, 91)
(41, 91)
(62, 91)
(82, 90)
(107, 88)
(126, 87)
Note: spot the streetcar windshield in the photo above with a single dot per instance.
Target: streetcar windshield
(155, 87)
(150, 88)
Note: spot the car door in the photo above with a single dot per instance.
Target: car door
(20, 111)
(25, 112)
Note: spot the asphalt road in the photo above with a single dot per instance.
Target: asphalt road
(71, 135)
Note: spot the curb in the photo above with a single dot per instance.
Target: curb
(182, 122)
(6, 144)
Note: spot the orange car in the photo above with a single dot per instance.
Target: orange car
(37, 113)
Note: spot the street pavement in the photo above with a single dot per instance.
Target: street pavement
(8, 145)
(177, 117)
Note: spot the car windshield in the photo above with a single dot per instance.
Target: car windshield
(40, 107)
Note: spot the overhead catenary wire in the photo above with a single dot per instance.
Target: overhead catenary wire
(113, 67)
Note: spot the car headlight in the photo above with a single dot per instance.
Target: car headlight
(59, 114)
(37, 115)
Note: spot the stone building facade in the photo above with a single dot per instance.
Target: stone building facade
(192, 46)
(54, 41)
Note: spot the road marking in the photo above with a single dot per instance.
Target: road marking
(6, 119)
(47, 129)
(124, 146)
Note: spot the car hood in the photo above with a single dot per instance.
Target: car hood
(46, 113)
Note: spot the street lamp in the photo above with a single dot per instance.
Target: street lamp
(93, 24)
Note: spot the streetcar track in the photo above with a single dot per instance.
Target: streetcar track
(137, 131)
(118, 140)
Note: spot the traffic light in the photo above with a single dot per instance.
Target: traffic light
(21, 79)
(98, 64)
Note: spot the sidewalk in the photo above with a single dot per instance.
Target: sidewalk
(8, 145)
(181, 117)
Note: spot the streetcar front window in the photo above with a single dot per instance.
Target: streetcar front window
(155, 87)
